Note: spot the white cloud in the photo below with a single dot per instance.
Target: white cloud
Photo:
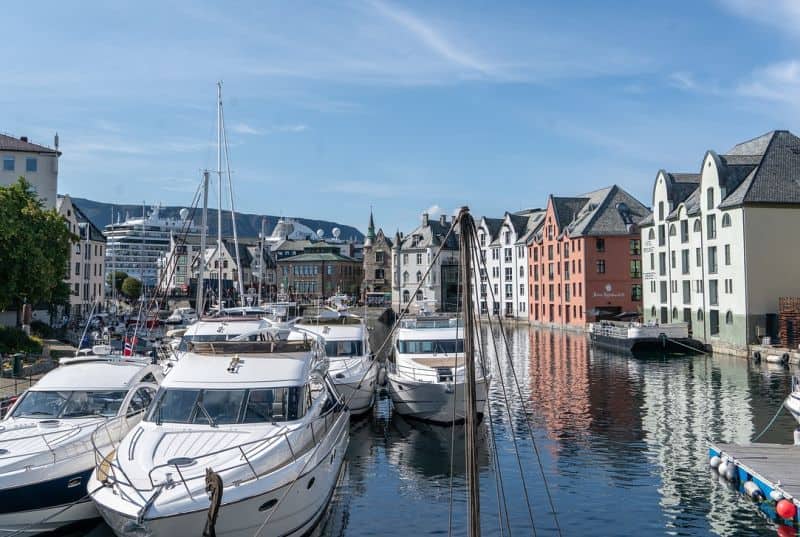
(433, 211)
(289, 128)
(683, 80)
(783, 14)
(244, 128)
(778, 81)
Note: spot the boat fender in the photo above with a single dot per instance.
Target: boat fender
(382, 376)
(774, 359)
(786, 509)
(714, 462)
(757, 356)
(731, 472)
(776, 495)
(723, 467)
(753, 490)
(785, 358)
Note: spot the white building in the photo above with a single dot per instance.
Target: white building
(87, 260)
(37, 163)
(413, 254)
(722, 245)
(503, 283)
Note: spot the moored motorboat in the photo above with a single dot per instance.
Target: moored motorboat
(428, 376)
(262, 414)
(792, 401)
(46, 446)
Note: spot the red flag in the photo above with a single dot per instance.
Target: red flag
(130, 343)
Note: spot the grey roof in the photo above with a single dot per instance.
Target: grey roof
(608, 211)
(566, 209)
(9, 143)
(493, 226)
(534, 224)
(755, 146)
(431, 236)
(95, 234)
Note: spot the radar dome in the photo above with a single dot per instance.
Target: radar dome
(320, 233)
(184, 213)
(336, 232)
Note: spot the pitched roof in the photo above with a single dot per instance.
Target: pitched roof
(317, 256)
(607, 211)
(430, 236)
(9, 143)
(565, 209)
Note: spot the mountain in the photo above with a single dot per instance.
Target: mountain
(247, 225)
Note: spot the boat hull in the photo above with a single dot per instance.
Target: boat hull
(296, 514)
(359, 394)
(645, 345)
(792, 404)
(437, 402)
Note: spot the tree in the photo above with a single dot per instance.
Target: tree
(116, 278)
(34, 248)
(131, 288)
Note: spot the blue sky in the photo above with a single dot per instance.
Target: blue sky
(335, 106)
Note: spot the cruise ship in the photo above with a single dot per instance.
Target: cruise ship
(135, 244)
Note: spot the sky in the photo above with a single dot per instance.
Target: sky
(333, 107)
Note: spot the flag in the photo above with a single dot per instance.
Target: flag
(130, 343)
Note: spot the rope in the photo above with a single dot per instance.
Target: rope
(453, 429)
(687, 346)
(775, 417)
(527, 419)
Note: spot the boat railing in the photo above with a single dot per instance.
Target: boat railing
(297, 441)
(421, 323)
(610, 330)
(443, 373)
(49, 439)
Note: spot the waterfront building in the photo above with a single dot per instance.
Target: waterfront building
(177, 266)
(377, 256)
(37, 163)
(721, 243)
(319, 272)
(412, 257)
(584, 262)
(86, 271)
(503, 281)
(136, 244)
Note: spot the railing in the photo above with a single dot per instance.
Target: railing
(50, 445)
(431, 374)
(299, 441)
(610, 330)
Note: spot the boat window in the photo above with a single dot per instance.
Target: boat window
(221, 407)
(343, 348)
(203, 338)
(439, 346)
(140, 401)
(66, 404)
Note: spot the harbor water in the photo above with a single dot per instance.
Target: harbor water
(621, 442)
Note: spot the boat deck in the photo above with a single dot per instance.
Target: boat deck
(448, 361)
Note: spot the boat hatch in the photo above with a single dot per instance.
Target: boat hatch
(444, 374)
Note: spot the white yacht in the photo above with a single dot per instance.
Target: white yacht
(427, 379)
(46, 447)
(216, 329)
(792, 401)
(262, 414)
(352, 366)
(182, 316)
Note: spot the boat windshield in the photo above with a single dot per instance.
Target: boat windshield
(436, 346)
(344, 348)
(201, 338)
(224, 407)
(67, 404)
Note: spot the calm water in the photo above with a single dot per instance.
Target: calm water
(621, 441)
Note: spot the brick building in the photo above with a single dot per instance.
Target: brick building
(584, 263)
(319, 272)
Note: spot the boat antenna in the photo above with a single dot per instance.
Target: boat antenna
(467, 227)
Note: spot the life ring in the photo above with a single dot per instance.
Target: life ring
(785, 358)
(757, 356)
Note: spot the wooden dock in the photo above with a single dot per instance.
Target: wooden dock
(773, 467)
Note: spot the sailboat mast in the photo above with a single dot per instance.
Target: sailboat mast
(467, 226)
(219, 185)
(261, 259)
(202, 258)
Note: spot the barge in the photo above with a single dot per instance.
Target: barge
(672, 338)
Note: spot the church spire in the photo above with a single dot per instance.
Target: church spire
(370, 230)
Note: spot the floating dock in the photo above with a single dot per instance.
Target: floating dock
(767, 473)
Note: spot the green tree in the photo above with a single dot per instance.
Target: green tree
(131, 288)
(116, 278)
(34, 248)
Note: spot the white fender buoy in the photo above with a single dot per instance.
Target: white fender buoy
(731, 472)
(714, 462)
(776, 495)
(785, 358)
(753, 490)
(774, 359)
(723, 467)
(382, 376)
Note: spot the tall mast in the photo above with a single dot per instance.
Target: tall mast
(467, 225)
(261, 259)
(202, 258)
(219, 185)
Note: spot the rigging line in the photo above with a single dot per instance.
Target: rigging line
(778, 413)
(388, 338)
(452, 426)
(233, 208)
(511, 422)
(525, 413)
(498, 482)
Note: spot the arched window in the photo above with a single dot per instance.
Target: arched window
(653, 311)
(660, 210)
(674, 313)
(419, 294)
(729, 317)
(419, 276)
(726, 220)
(697, 226)
(651, 235)
(406, 296)
(405, 277)
(710, 199)
(699, 315)
(672, 231)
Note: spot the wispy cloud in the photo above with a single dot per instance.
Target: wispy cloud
(778, 81)
(298, 127)
(244, 128)
(433, 211)
(683, 80)
(782, 14)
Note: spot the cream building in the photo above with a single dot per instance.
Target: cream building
(37, 163)
(722, 244)
(85, 274)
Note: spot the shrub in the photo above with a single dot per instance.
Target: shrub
(15, 340)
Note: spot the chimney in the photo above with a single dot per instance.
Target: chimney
(55, 141)
(23, 138)
(443, 219)
(424, 219)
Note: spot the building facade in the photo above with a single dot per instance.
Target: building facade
(584, 262)
(86, 272)
(720, 242)
(377, 257)
(414, 256)
(37, 163)
(502, 281)
(319, 272)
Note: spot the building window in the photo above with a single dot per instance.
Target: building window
(672, 258)
(507, 255)
(711, 225)
(419, 276)
(662, 263)
(30, 164)
(660, 210)
(662, 289)
(379, 257)
(710, 199)
(712, 259)
(405, 259)
(636, 292)
(662, 239)
(698, 227)
(509, 273)
(652, 261)
(684, 231)
(687, 291)
(419, 258)
(636, 268)
(482, 239)
(698, 254)
(522, 289)
(601, 245)
(727, 254)
(700, 315)
(653, 311)
(713, 322)
(713, 293)
(651, 235)
(636, 247)
(672, 231)
(601, 266)
(729, 317)
(698, 286)
(726, 220)
(8, 164)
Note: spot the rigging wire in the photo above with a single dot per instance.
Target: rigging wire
(233, 207)
(452, 425)
(525, 413)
